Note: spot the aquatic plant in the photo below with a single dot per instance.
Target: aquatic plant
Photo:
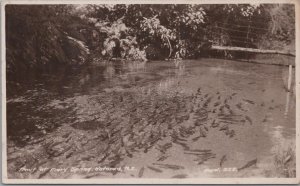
(285, 160)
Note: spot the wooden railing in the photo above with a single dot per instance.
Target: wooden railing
(261, 51)
(254, 50)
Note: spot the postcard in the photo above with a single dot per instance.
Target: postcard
(150, 92)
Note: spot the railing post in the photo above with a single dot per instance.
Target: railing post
(290, 77)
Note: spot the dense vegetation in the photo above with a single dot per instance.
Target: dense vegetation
(44, 36)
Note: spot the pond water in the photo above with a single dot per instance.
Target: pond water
(162, 119)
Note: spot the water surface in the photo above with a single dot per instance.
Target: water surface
(162, 119)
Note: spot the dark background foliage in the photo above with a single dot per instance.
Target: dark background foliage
(46, 36)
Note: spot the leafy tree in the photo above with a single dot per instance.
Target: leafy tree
(35, 35)
(43, 35)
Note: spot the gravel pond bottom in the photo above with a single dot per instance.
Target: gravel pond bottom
(188, 119)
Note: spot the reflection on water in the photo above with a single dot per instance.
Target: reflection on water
(173, 79)
(277, 134)
(287, 105)
(109, 71)
(180, 67)
(226, 110)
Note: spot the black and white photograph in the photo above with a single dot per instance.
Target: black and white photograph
(129, 92)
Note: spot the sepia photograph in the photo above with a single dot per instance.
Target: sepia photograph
(149, 93)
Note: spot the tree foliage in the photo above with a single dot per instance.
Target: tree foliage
(40, 35)
(36, 37)
(181, 31)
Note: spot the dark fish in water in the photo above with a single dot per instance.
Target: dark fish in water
(230, 133)
(66, 135)
(196, 138)
(169, 166)
(141, 172)
(204, 159)
(227, 122)
(199, 90)
(223, 159)
(116, 161)
(229, 116)
(176, 138)
(197, 153)
(227, 106)
(180, 176)
(243, 121)
(184, 145)
(225, 127)
(44, 173)
(249, 101)
(164, 148)
(202, 132)
(207, 102)
(217, 104)
(199, 150)
(248, 119)
(154, 169)
(249, 164)
(230, 120)
(233, 94)
(104, 157)
(162, 158)
(239, 106)
(214, 124)
(205, 128)
(128, 153)
(287, 159)
(69, 155)
(199, 122)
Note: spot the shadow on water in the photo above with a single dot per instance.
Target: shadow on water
(28, 117)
